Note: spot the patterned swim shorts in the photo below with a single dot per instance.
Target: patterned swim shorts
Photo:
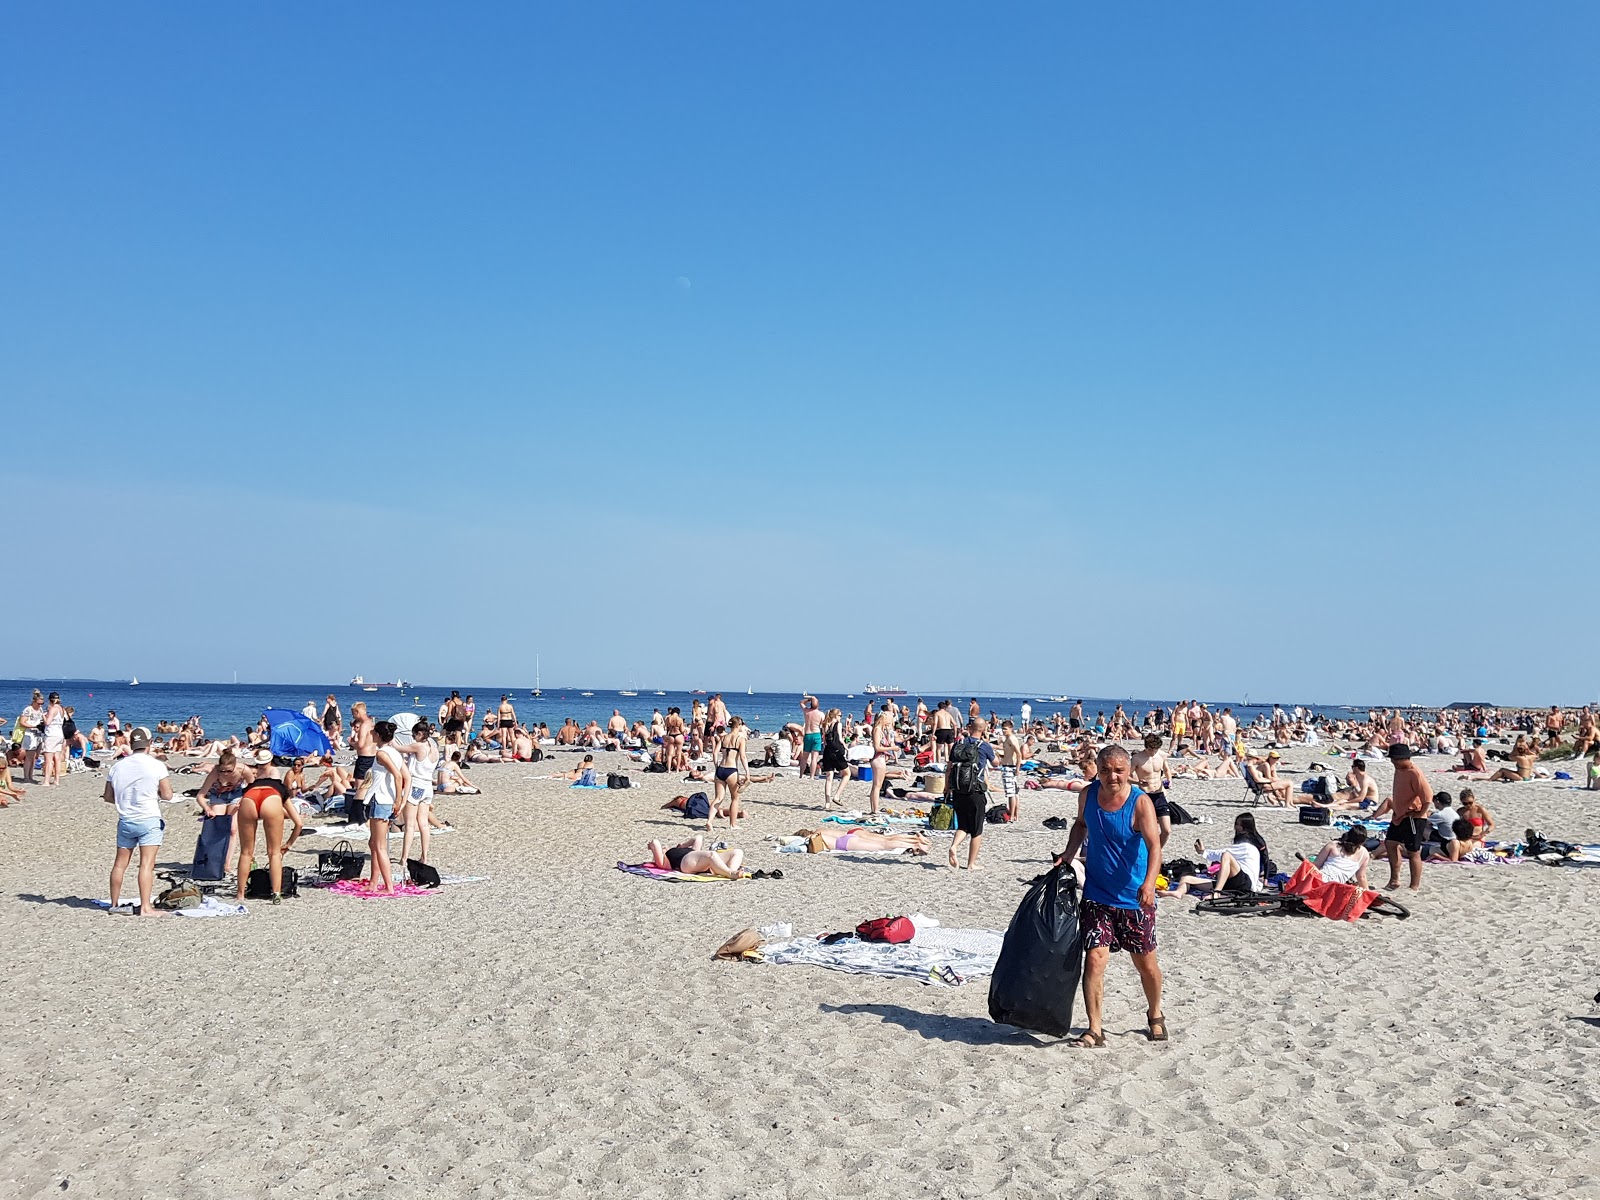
(1130, 929)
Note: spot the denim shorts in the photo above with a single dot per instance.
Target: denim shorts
(133, 834)
(380, 812)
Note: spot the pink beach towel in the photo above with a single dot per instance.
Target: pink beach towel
(357, 888)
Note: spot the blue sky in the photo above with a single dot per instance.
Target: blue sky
(1145, 350)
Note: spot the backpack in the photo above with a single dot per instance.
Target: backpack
(181, 894)
(656, 767)
(942, 817)
(999, 814)
(964, 776)
(886, 929)
(258, 886)
(697, 807)
(617, 781)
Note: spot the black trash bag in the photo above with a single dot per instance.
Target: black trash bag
(1041, 962)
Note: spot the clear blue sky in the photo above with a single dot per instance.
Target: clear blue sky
(1117, 349)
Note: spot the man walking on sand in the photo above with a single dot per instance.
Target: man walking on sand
(137, 785)
(1117, 830)
(944, 731)
(1408, 810)
(966, 789)
(365, 744)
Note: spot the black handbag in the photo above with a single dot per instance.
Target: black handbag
(344, 861)
(1315, 814)
(422, 875)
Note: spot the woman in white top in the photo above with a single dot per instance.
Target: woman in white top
(1345, 861)
(388, 782)
(54, 743)
(1239, 866)
(423, 758)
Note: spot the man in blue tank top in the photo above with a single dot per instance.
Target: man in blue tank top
(1121, 840)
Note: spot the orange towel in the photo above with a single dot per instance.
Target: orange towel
(1336, 901)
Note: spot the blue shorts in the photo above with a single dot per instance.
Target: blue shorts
(133, 834)
(380, 812)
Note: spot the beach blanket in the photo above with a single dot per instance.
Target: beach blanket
(969, 953)
(651, 871)
(1336, 901)
(210, 906)
(591, 787)
(1477, 858)
(868, 821)
(450, 879)
(799, 847)
(354, 832)
(357, 889)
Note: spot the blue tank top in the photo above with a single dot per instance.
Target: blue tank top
(1116, 853)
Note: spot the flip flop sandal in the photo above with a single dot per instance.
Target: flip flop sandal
(1157, 1023)
(1089, 1040)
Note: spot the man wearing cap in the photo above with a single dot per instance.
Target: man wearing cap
(1408, 810)
(136, 785)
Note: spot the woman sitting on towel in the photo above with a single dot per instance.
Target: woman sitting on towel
(1345, 861)
(857, 838)
(449, 781)
(1477, 820)
(692, 858)
(581, 775)
(1522, 757)
(1238, 866)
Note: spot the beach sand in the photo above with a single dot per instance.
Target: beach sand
(561, 1031)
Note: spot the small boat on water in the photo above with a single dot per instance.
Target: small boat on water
(625, 692)
(134, 682)
(660, 693)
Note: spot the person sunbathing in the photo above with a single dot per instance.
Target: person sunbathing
(582, 774)
(449, 781)
(1523, 755)
(692, 858)
(1472, 758)
(1476, 820)
(1263, 778)
(856, 837)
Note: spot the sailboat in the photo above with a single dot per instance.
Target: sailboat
(631, 690)
(749, 691)
(134, 682)
(537, 691)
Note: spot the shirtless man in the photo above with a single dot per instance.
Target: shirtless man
(974, 709)
(1264, 776)
(922, 718)
(1358, 786)
(811, 738)
(944, 725)
(617, 725)
(1588, 734)
(1472, 758)
(365, 744)
(1408, 811)
(1075, 717)
(1010, 766)
(1554, 722)
(1151, 775)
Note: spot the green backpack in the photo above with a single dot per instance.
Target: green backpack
(942, 817)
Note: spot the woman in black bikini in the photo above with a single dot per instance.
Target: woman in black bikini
(692, 858)
(732, 768)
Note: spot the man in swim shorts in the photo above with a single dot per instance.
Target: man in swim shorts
(1121, 840)
(944, 731)
(1408, 810)
(365, 744)
(1150, 773)
(811, 743)
(1010, 766)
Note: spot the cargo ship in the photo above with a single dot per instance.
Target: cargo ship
(874, 690)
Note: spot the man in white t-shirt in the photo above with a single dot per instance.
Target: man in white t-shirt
(137, 785)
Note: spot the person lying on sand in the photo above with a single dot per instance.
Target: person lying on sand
(583, 773)
(692, 858)
(855, 837)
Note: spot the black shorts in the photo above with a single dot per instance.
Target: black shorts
(1238, 882)
(969, 814)
(1074, 723)
(945, 737)
(364, 765)
(1159, 799)
(454, 726)
(1410, 832)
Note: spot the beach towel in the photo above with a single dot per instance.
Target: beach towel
(867, 820)
(651, 871)
(212, 907)
(1336, 901)
(969, 953)
(449, 879)
(357, 889)
(597, 787)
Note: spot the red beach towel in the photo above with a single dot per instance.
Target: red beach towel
(1336, 901)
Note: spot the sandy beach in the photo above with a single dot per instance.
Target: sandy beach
(560, 1029)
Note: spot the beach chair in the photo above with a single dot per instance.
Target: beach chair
(1256, 794)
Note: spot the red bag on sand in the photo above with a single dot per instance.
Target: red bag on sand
(924, 757)
(886, 929)
(1336, 901)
